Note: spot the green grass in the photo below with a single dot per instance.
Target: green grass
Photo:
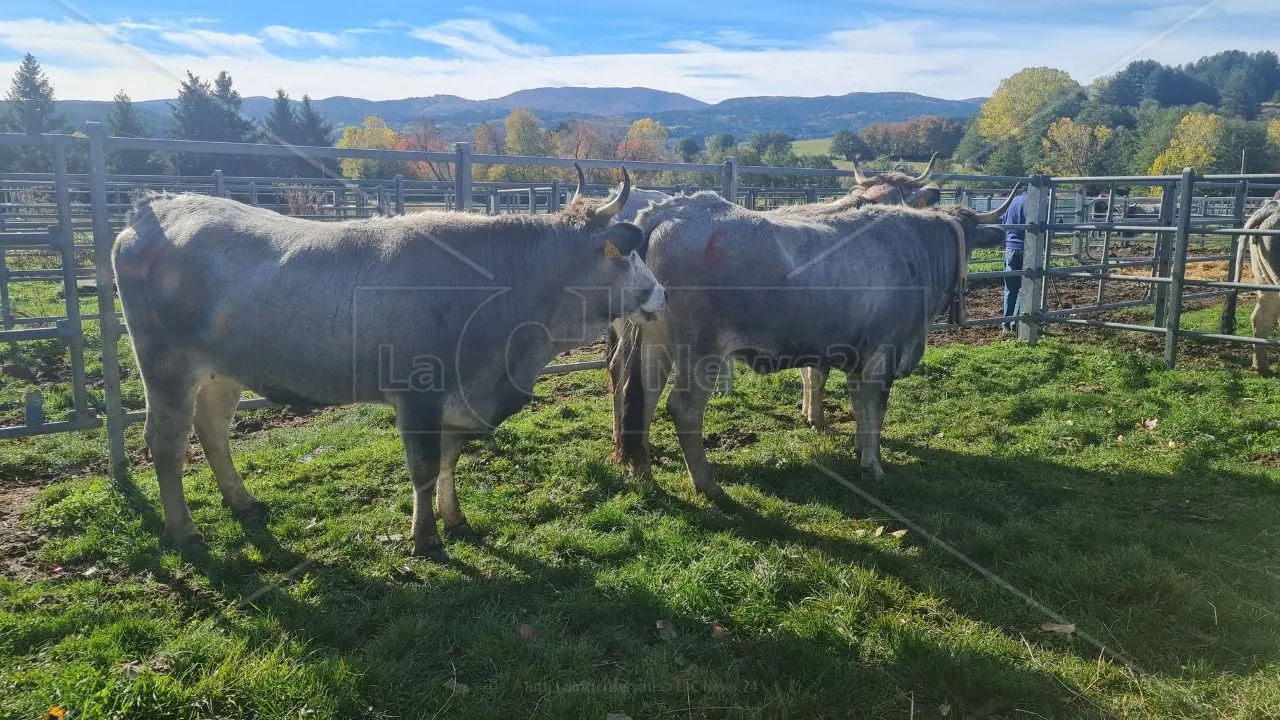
(1035, 463)
(815, 146)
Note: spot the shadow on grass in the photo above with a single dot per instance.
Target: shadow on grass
(1161, 568)
(597, 650)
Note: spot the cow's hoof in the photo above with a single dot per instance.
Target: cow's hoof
(254, 510)
(432, 550)
(186, 540)
(462, 531)
(874, 471)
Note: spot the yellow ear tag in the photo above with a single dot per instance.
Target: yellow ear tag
(610, 250)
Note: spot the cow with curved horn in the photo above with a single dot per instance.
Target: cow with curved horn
(856, 293)
(448, 317)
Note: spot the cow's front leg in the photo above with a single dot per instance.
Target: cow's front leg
(455, 523)
(869, 397)
(1263, 321)
(419, 420)
(815, 380)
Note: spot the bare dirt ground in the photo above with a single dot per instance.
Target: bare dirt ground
(18, 543)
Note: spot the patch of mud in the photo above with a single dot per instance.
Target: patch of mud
(18, 544)
(730, 439)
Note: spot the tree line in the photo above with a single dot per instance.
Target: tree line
(202, 111)
(1218, 114)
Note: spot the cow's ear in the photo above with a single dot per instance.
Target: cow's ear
(620, 239)
(925, 197)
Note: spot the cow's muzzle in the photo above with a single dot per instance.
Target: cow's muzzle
(657, 299)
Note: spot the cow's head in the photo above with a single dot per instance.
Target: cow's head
(898, 188)
(976, 225)
(615, 258)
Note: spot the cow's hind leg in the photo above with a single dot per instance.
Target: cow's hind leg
(170, 386)
(815, 380)
(1263, 320)
(687, 403)
(419, 420)
(216, 402)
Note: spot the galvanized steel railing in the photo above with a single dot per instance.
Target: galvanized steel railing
(1060, 229)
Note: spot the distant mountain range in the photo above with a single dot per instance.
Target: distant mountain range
(802, 117)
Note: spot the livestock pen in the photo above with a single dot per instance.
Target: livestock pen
(1089, 524)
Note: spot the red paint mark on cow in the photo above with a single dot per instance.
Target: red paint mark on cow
(712, 255)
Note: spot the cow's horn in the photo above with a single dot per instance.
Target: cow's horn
(993, 216)
(582, 181)
(927, 169)
(857, 176)
(615, 205)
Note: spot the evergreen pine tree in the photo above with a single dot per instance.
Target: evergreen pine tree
(123, 120)
(315, 131)
(30, 108)
(280, 127)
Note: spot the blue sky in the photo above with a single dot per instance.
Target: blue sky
(709, 50)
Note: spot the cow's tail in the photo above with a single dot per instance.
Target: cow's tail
(626, 367)
(134, 251)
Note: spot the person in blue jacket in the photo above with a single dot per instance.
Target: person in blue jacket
(1016, 214)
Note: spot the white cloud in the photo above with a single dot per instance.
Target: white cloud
(690, 46)
(212, 42)
(294, 37)
(476, 39)
(83, 61)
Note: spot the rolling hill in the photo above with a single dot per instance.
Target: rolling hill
(803, 117)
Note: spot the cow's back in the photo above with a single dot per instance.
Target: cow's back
(790, 286)
(326, 309)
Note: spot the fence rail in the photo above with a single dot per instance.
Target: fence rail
(1068, 235)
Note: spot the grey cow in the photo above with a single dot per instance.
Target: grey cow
(887, 188)
(449, 317)
(856, 293)
(1264, 263)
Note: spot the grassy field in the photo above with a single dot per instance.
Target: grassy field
(1066, 483)
(816, 146)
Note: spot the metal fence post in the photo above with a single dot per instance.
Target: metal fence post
(1174, 308)
(73, 331)
(462, 176)
(253, 193)
(219, 186)
(1082, 217)
(729, 181)
(1035, 258)
(553, 201)
(1227, 322)
(399, 194)
(108, 323)
(1164, 253)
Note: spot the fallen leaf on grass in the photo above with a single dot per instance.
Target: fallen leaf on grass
(899, 533)
(1059, 628)
(1150, 423)
(454, 685)
(666, 629)
(397, 537)
(719, 630)
(879, 531)
(133, 668)
(529, 631)
(91, 571)
(944, 710)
